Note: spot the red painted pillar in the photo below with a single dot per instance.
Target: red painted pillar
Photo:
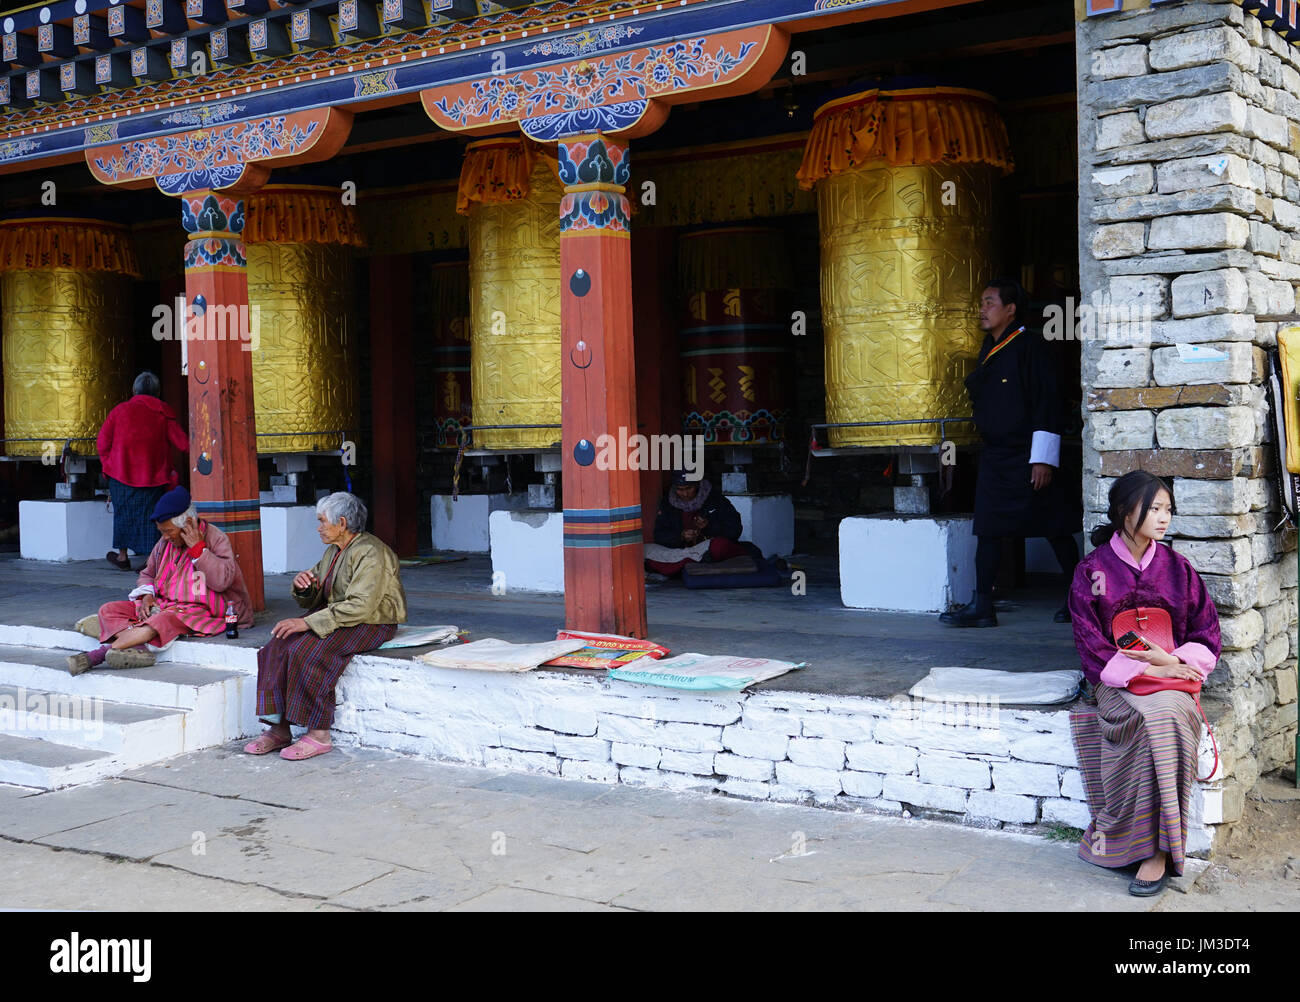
(392, 383)
(604, 576)
(223, 439)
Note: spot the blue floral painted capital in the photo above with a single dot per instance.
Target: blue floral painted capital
(206, 213)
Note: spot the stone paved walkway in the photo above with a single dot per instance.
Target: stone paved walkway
(359, 829)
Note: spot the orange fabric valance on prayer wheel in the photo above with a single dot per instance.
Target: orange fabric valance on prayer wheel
(905, 128)
(499, 170)
(905, 204)
(41, 243)
(301, 214)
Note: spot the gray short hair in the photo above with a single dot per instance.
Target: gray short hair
(179, 520)
(346, 506)
(146, 383)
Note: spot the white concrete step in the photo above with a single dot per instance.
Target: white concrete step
(222, 700)
(60, 729)
(135, 735)
(47, 765)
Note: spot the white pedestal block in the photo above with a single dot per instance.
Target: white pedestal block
(768, 522)
(290, 542)
(1039, 558)
(906, 563)
(64, 530)
(527, 550)
(462, 525)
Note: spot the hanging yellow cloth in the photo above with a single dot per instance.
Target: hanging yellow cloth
(46, 242)
(497, 170)
(904, 128)
(300, 214)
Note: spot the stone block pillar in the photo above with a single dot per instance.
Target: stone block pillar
(1189, 202)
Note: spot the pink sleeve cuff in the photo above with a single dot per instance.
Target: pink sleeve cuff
(1120, 669)
(1198, 656)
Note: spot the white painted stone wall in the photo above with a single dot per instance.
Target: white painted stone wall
(995, 766)
(1189, 123)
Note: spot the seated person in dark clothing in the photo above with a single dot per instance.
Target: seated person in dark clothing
(691, 515)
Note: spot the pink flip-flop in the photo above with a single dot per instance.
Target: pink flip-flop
(266, 744)
(305, 748)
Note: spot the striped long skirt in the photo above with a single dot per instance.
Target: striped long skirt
(296, 675)
(1138, 758)
(133, 529)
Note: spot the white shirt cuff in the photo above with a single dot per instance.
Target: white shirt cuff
(1046, 448)
(142, 590)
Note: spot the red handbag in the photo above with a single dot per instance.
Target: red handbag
(1152, 623)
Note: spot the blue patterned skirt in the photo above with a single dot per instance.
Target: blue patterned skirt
(133, 529)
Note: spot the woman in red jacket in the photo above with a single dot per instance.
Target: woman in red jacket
(133, 450)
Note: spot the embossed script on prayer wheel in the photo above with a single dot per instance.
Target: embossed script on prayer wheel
(514, 279)
(904, 198)
(737, 360)
(301, 296)
(65, 294)
(449, 281)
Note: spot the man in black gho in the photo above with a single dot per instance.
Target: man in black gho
(1017, 409)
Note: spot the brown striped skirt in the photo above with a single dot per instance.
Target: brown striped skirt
(1138, 758)
(296, 675)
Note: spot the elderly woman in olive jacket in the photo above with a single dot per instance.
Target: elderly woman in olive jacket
(355, 600)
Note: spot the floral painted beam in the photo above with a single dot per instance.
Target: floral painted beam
(229, 156)
(626, 93)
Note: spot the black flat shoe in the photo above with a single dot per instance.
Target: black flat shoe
(1062, 615)
(1148, 888)
(969, 615)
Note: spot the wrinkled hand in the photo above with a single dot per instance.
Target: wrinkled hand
(190, 534)
(288, 627)
(1156, 656)
(1178, 670)
(147, 605)
(304, 580)
(690, 536)
(1040, 475)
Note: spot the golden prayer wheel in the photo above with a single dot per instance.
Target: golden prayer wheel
(905, 203)
(737, 359)
(65, 300)
(449, 287)
(514, 292)
(299, 242)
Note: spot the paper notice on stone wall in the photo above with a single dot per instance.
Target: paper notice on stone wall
(1200, 353)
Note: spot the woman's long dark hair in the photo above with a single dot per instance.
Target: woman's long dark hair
(1134, 491)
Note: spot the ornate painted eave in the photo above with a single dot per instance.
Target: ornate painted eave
(395, 67)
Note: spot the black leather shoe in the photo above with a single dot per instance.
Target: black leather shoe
(1148, 888)
(978, 613)
(1062, 615)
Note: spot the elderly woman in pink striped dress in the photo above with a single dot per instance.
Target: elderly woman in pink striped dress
(188, 585)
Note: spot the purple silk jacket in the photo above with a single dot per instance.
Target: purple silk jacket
(1108, 581)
